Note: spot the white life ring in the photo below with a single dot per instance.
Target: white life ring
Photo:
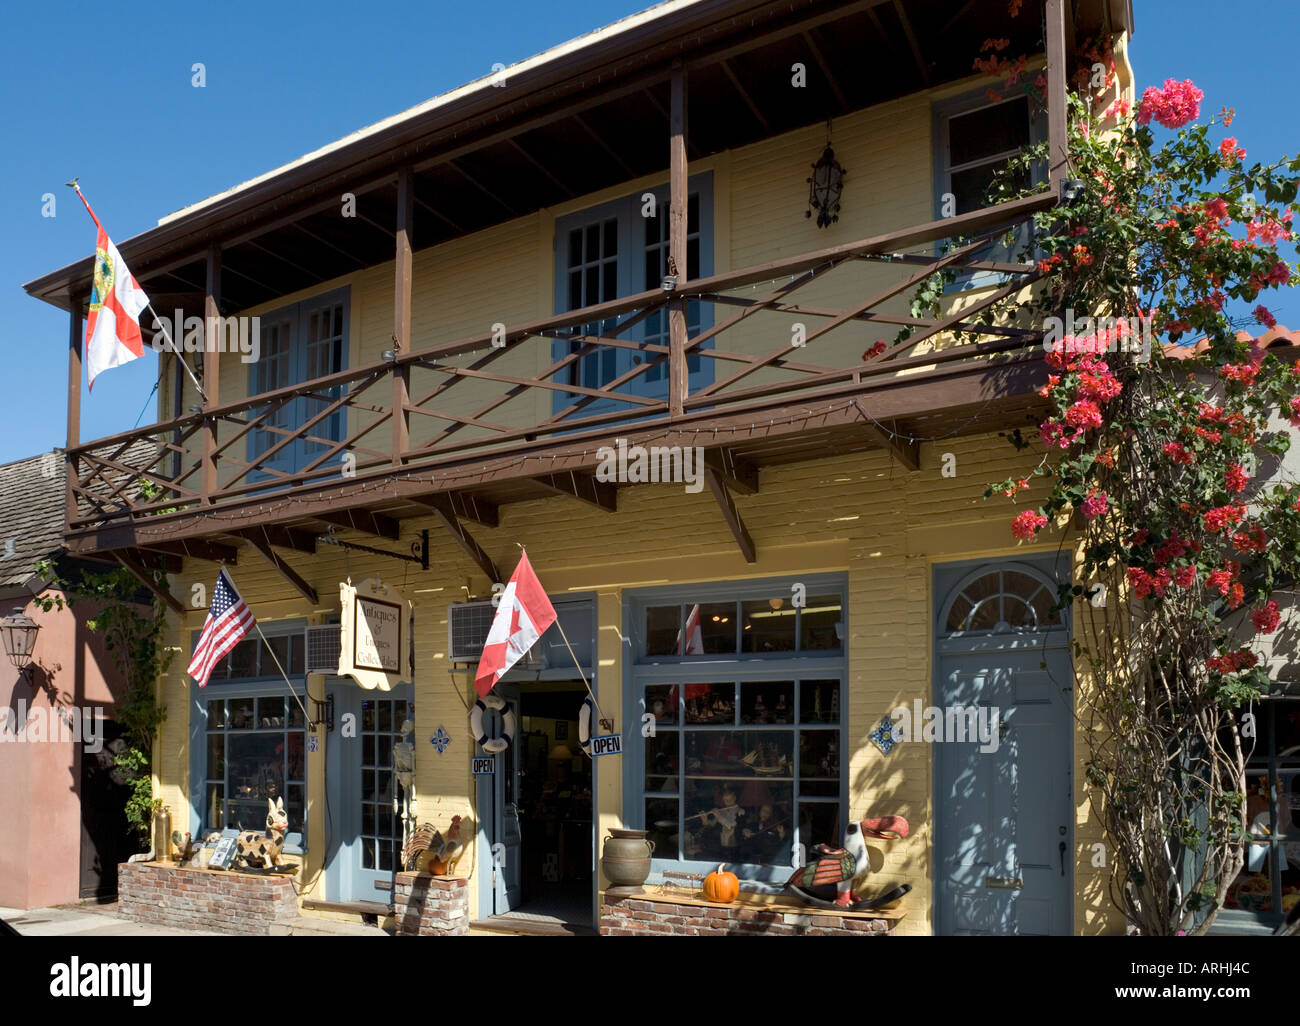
(584, 724)
(492, 744)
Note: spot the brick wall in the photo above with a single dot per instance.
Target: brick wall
(648, 917)
(431, 906)
(203, 899)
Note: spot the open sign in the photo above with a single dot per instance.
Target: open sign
(608, 744)
(484, 767)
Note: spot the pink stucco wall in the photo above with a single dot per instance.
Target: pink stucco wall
(40, 806)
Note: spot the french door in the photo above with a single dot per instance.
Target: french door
(366, 852)
(299, 343)
(618, 249)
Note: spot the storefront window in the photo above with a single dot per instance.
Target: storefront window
(1268, 885)
(775, 625)
(741, 780)
(255, 752)
(741, 689)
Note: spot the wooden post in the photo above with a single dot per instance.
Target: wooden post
(1057, 138)
(402, 312)
(71, 470)
(678, 378)
(211, 372)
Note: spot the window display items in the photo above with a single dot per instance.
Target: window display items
(721, 887)
(832, 878)
(263, 850)
(625, 860)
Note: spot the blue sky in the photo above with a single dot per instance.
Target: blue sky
(115, 107)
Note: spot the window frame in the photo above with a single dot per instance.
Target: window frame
(1270, 763)
(738, 668)
(942, 114)
(296, 412)
(632, 249)
(261, 686)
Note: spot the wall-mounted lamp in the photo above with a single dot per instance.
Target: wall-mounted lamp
(19, 633)
(1071, 189)
(389, 356)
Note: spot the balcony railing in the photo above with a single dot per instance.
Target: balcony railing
(452, 401)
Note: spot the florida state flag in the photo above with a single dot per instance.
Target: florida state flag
(522, 617)
(113, 324)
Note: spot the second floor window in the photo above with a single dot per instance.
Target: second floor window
(299, 343)
(617, 249)
(974, 141)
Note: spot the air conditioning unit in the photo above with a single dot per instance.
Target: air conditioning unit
(323, 645)
(468, 624)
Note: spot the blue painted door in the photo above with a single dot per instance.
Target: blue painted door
(1004, 815)
(366, 847)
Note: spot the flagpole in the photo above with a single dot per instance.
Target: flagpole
(162, 325)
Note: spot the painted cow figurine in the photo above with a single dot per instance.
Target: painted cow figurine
(829, 879)
(263, 850)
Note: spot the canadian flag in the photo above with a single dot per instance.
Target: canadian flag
(523, 615)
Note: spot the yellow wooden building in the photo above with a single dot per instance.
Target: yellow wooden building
(461, 308)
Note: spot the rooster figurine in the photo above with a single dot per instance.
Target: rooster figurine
(446, 851)
(828, 881)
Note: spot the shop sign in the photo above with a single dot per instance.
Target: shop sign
(484, 766)
(371, 635)
(607, 744)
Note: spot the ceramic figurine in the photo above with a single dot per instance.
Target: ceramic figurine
(263, 850)
(830, 880)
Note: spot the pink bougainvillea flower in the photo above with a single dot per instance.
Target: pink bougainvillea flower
(1232, 153)
(1267, 618)
(1083, 414)
(878, 348)
(1279, 273)
(1185, 576)
(1178, 453)
(1028, 524)
(1118, 109)
(1232, 662)
(1173, 105)
(1221, 517)
(1236, 478)
(1264, 317)
(1095, 504)
(1294, 417)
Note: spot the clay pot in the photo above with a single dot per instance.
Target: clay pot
(625, 860)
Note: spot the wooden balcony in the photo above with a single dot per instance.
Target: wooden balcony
(461, 427)
(183, 480)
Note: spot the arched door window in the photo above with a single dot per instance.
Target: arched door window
(1006, 600)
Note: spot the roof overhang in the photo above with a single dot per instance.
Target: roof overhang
(483, 154)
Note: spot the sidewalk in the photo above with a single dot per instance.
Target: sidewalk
(87, 921)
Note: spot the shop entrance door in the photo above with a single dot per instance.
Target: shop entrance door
(364, 850)
(541, 792)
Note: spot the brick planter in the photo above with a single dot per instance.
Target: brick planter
(204, 899)
(663, 915)
(431, 906)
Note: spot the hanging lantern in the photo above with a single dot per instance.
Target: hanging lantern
(824, 188)
(19, 634)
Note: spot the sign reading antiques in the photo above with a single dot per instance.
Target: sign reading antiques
(371, 636)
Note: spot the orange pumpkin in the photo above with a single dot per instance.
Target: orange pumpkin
(721, 887)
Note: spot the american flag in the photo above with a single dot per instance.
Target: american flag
(228, 621)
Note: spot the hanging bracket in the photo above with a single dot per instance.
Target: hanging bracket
(419, 549)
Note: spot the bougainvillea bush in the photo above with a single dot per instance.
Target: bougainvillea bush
(1159, 424)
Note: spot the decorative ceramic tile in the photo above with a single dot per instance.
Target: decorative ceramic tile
(440, 740)
(883, 736)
